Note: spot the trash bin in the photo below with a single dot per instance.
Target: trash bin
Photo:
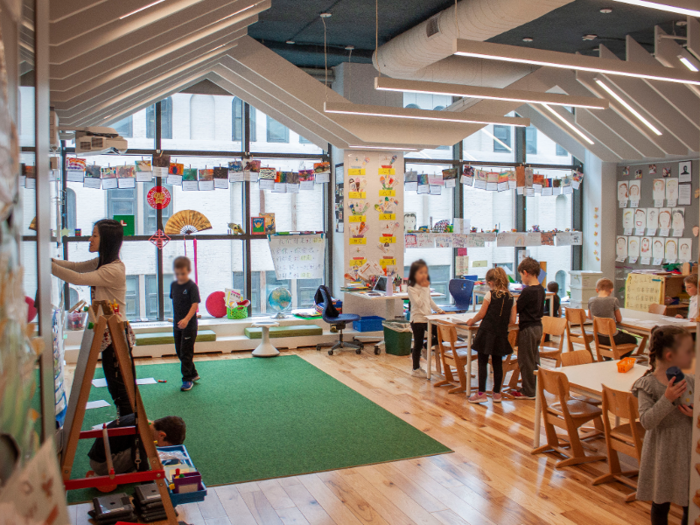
(397, 337)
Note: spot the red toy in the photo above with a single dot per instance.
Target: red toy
(31, 309)
(216, 304)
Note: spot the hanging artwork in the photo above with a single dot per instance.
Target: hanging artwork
(658, 248)
(671, 250)
(628, 218)
(186, 222)
(622, 193)
(645, 247)
(635, 192)
(684, 170)
(143, 170)
(685, 249)
(659, 192)
(665, 219)
(640, 220)
(652, 221)
(159, 239)
(158, 197)
(93, 177)
(621, 248)
(671, 192)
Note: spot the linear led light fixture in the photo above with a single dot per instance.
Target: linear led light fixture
(494, 137)
(421, 114)
(141, 9)
(487, 93)
(569, 125)
(663, 7)
(628, 107)
(542, 57)
(390, 148)
(687, 63)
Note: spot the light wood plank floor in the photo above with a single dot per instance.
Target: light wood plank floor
(491, 478)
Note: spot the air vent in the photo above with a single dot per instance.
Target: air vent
(432, 27)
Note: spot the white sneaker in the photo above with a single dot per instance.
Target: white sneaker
(419, 372)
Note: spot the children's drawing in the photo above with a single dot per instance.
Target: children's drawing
(358, 231)
(633, 247)
(678, 218)
(640, 218)
(628, 218)
(357, 208)
(635, 190)
(388, 182)
(357, 184)
(685, 249)
(645, 247)
(658, 248)
(652, 218)
(622, 191)
(671, 190)
(659, 191)
(665, 218)
(621, 248)
(386, 205)
(671, 249)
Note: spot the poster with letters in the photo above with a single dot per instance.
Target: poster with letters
(298, 256)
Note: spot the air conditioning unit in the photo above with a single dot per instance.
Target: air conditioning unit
(99, 141)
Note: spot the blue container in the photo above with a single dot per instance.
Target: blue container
(371, 323)
(189, 497)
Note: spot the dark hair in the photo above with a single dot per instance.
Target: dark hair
(664, 338)
(174, 428)
(529, 265)
(111, 236)
(182, 262)
(553, 286)
(415, 266)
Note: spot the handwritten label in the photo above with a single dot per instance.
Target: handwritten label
(387, 240)
(357, 262)
(387, 193)
(387, 216)
(387, 171)
(357, 194)
(356, 171)
(387, 262)
(357, 218)
(358, 240)
(480, 264)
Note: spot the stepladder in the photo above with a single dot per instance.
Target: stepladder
(103, 319)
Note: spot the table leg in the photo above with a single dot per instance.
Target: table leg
(538, 415)
(642, 345)
(265, 348)
(469, 364)
(473, 301)
(551, 306)
(430, 348)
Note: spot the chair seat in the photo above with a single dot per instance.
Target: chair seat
(624, 432)
(576, 409)
(589, 400)
(460, 353)
(342, 318)
(455, 308)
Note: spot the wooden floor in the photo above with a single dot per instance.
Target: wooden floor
(491, 478)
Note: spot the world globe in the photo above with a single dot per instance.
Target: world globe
(280, 300)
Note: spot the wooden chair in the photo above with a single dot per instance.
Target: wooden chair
(577, 357)
(606, 326)
(552, 326)
(510, 364)
(657, 309)
(626, 438)
(575, 330)
(453, 355)
(559, 410)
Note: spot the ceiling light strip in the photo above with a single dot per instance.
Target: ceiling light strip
(390, 148)
(141, 9)
(687, 63)
(494, 137)
(662, 7)
(542, 57)
(487, 93)
(569, 125)
(628, 107)
(421, 114)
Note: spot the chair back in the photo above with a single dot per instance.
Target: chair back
(577, 357)
(329, 313)
(575, 317)
(447, 344)
(657, 309)
(553, 383)
(604, 326)
(461, 290)
(555, 326)
(620, 404)
(513, 338)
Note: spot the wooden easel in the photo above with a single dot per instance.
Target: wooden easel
(103, 318)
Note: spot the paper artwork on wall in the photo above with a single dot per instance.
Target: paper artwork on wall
(685, 249)
(622, 193)
(657, 249)
(652, 221)
(206, 179)
(645, 247)
(109, 178)
(671, 192)
(356, 187)
(189, 180)
(628, 219)
(640, 220)
(144, 170)
(671, 250)
(221, 178)
(235, 171)
(685, 169)
(93, 175)
(664, 220)
(652, 169)
(678, 221)
(621, 248)
(633, 247)
(666, 172)
(635, 192)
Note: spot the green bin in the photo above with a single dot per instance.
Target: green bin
(397, 337)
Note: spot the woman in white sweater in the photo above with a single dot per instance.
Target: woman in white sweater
(422, 305)
(106, 277)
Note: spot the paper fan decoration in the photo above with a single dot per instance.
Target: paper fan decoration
(185, 222)
(32, 225)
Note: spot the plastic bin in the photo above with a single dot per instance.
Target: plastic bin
(397, 337)
(189, 497)
(371, 323)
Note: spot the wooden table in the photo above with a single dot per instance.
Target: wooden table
(642, 323)
(589, 380)
(460, 321)
(482, 293)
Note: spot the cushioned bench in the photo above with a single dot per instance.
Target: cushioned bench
(285, 331)
(166, 338)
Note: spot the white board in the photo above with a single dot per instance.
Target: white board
(298, 256)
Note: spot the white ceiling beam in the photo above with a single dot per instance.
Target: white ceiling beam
(606, 136)
(546, 125)
(666, 51)
(157, 35)
(684, 100)
(652, 105)
(66, 8)
(105, 18)
(693, 32)
(138, 66)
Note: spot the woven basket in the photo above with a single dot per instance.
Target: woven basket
(237, 312)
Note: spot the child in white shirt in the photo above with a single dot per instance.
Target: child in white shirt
(422, 305)
(691, 287)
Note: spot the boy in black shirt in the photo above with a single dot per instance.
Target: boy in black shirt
(185, 296)
(530, 307)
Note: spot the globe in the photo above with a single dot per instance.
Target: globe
(279, 300)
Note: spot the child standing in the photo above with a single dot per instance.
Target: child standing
(664, 470)
(497, 311)
(691, 287)
(606, 305)
(553, 287)
(185, 296)
(422, 305)
(530, 306)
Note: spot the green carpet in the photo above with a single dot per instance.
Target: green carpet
(252, 419)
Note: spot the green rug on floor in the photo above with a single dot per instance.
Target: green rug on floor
(252, 419)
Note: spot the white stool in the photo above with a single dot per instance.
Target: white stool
(265, 348)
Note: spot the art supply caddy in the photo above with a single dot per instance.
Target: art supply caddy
(184, 481)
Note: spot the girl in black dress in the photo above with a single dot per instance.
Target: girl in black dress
(497, 311)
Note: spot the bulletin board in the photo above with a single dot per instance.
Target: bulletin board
(645, 248)
(374, 204)
(642, 290)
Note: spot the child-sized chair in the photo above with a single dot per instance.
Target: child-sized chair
(577, 357)
(575, 330)
(453, 355)
(659, 309)
(552, 326)
(607, 327)
(560, 410)
(510, 364)
(626, 438)
(461, 290)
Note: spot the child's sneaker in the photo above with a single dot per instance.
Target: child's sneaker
(419, 372)
(497, 397)
(186, 385)
(479, 397)
(522, 397)
(196, 378)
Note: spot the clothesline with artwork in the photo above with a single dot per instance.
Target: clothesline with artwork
(191, 179)
(502, 239)
(523, 179)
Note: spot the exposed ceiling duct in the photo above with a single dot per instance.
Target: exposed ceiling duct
(425, 51)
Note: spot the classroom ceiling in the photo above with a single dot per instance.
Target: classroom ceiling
(353, 23)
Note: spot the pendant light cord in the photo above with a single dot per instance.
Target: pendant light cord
(376, 36)
(325, 54)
